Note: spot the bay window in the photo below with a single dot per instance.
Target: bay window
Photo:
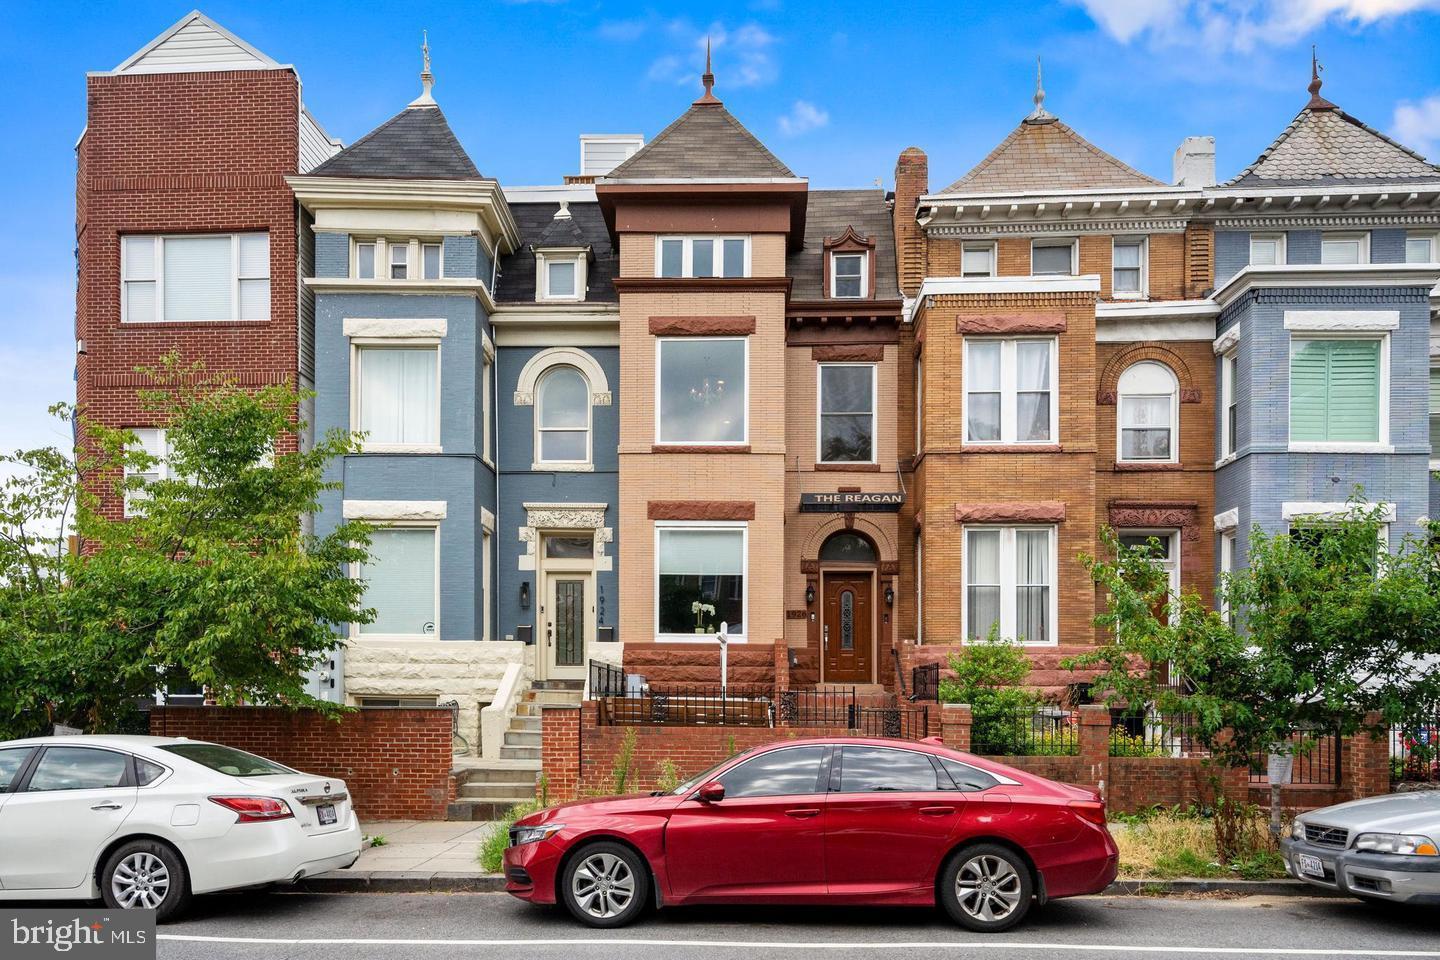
(1149, 411)
(1010, 583)
(704, 256)
(1335, 390)
(397, 403)
(401, 582)
(702, 391)
(847, 413)
(1010, 394)
(699, 580)
(180, 279)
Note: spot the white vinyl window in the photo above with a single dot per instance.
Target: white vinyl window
(153, 442)
(559, 279)
(401, 582)
(977, 260)
(1010, 583)
(1421, 248)
(846, 426)
(704, 256)
(365, 260)
(848, 275)
(702, 388)
(562, 417)
(700, 580)
(190, 279)
(397, 396)
(1267, 249)
(1149, 403)
(1010, 394)
(430, 260)
(399, 260)
(1229, 405)
(1342, 248)
(1052, 258)
(1130, 268)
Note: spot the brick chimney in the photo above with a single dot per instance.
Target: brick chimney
(912, 181)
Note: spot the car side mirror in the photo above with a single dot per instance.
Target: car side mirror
(712, 792)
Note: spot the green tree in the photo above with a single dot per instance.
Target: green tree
(213, 579)
(1325, 625)
(990, 676)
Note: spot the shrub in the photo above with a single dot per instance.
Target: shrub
(1126, 746)
(492, 848)
(989, 675)
(670, 776)
(624, 758)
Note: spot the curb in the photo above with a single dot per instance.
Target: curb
(425, 881)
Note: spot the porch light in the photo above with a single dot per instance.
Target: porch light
(889, 596)
(524, 594)
(809, 594)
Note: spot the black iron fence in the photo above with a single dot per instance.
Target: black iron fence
(1315, 759)
(900, 722)
(925, 682)
(691, 706)
(823, 707)
(1415, 750)
(606, 680)
(1150, 734)
(1046, 732)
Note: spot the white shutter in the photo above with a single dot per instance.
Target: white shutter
(198, 271)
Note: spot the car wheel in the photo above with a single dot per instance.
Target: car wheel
(986, 888)
(605, 885)
(145, 875)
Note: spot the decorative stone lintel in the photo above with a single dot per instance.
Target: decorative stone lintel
(1045, 321)
(387, 327)
(381, 510)
(702, 326)
(700, 509)
(1041, 511)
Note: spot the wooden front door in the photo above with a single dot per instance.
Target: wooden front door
(848, 633)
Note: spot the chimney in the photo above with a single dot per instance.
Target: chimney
(1195, 162)
(912, 181)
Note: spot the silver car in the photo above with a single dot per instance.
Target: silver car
(1379, 848)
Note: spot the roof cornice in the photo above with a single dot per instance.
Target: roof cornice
(450, 286)
(484, 196)
(1327, 275)
(973, 286)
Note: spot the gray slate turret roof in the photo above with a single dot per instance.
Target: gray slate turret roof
(415, 144)
(1042, 154)
(1324, 145)
(705, 143)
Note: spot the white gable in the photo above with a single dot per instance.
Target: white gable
(196, 43)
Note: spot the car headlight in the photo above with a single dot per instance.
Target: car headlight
(521, 835)
(1297, 830)
(1411, 844)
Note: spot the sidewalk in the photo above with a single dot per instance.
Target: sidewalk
(430, 846)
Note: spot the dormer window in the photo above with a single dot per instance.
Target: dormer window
(559, 279)
(847, 275)
(560, 274)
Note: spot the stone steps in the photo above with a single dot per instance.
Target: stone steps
(467, 809)
(509, 752)
(525, 724)
(509, 791)
(521, 738)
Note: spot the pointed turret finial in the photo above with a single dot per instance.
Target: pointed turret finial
(707, 80)
(427, 79)
(1317, 102)
(1039, 114)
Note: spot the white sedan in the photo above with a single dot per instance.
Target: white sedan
(145, 822)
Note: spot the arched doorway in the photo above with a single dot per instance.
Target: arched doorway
(848, 566)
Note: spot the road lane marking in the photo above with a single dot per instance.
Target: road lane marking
(801, 945)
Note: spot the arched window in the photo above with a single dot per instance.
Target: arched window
(562, 417)
(847, 548)
(1149, 413)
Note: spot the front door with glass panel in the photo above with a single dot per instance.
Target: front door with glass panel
(847, 634)
(568, 614)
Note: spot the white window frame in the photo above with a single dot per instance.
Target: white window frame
(161, 469)
(1346, 236)
(543, 261)
(1143, 242)
(1382, 445)
(1072, 243)
(874, 413)
(357, 570)
(1174, 417)
(357, 386)
(1279, 241)
(687, 263)
(1433, 240)
(988, 247)
(864, 257)
(1008, 393)
(1228, 544)
(659, 373)
(439, 245)
(1229, 373)
(159, 240)
(1008, 582)
(414, 258)
(744, 528)
(539, 462)
(487, 396)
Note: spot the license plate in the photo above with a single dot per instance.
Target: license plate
(1310, 866)
(325, 814)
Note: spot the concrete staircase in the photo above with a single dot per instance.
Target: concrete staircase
(486, 787)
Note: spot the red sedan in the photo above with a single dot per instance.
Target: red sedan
(839, 821)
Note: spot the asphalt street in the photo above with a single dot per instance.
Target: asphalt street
(402, 926)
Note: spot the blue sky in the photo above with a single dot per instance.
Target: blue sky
(835, 89)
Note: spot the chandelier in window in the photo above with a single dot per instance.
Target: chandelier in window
(709, 391)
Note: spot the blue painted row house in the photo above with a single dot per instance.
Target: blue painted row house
(1325, 261)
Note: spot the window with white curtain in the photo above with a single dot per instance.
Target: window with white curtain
(562, 417)
(1010, 583)
(400, 582)
(398, 401)
(699, 580)
(1149, 403)
(1010, 390)
(702, 390)
(365, 260)
(1128, 266)
(152, 441)
(192, 279)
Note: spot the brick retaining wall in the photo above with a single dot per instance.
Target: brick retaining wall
(395, 762)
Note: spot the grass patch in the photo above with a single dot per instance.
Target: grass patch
(492, 848)
(1179, 844)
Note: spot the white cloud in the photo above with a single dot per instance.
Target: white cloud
(803, 117)
(743, 56)
(623, 31)
(1417, 125)
(1238, 25)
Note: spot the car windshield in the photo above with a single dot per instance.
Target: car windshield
(227, 760)
(703, 777)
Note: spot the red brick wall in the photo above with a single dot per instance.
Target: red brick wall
(194, 152)
(396, 763)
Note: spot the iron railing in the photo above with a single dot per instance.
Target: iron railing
(690, 706)
(1415, 750)
(823, 707)
(1046, 732)
(925, 682)
(1316, 759)
(898, 722)
(606, 680)
(1150, 734)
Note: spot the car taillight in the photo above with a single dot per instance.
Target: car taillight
(255, 809)
(1091, 810)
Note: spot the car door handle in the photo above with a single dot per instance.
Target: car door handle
(937, 811)
(803, 813)
(107, 805)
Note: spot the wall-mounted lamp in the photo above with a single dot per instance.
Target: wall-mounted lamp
(809, 594)
(889, 596)
(524, 594)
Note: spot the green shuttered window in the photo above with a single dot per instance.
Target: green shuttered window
(1335, 391)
